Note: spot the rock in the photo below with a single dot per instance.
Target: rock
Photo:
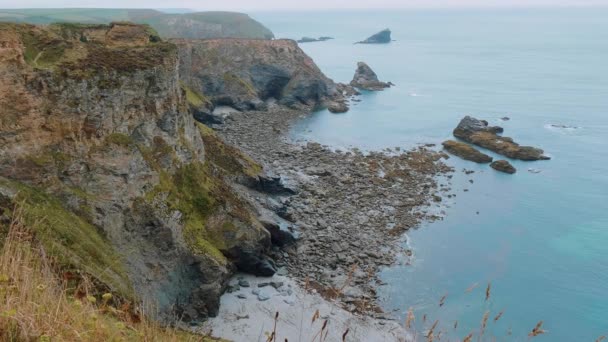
(264, 295)
(278, 236)
(366, 78)
(244, 283)
(505, 118)
(282, 271)
(338, 107)
(245, 73)
(465, 151)
(503, 166)
(312, 40)
(271, 185)
(241, 296)
(479, 133)
(381, 37)
(276, 284)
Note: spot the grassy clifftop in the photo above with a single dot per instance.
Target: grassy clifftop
(198, 25)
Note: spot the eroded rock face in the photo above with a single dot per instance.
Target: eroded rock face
(479, 133)
(246, 73)
(503, 166)
(382, 37)
(465, 151)
(103, 128)
(366, 78)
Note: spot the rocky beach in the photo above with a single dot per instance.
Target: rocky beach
(348, 209)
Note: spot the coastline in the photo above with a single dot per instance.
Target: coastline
(349, 213)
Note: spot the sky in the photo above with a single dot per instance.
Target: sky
(248, 5)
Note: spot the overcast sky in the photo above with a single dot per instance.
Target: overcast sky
(248, 5)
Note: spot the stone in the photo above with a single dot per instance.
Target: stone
(478, 132)
(244, 283)
(241, 296)
(338, 107)
(503, 166)
(264, 296)
(465, 151)
(365, 78)
(382, 37)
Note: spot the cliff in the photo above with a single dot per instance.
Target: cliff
(246, 73)
(99, 146)
(196, 25)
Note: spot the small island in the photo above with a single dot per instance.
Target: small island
(382, 37)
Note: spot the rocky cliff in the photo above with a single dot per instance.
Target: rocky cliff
(98, 146)
(245, 74)
(196, 25)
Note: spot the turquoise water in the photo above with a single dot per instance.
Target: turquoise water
(540, 238)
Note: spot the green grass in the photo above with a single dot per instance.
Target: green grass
(195, 98)
(72, 241)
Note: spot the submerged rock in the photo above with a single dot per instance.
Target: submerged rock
(366, 78)
(479, 133)
(503, 166)
(466, 151)
(381, 37)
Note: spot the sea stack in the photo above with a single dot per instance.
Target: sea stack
(365, 78)
(382, 37)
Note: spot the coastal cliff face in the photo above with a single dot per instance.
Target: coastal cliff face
(98, 145)
(246, 73)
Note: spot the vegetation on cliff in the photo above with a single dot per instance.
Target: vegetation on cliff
(199, 25)
(38, 305)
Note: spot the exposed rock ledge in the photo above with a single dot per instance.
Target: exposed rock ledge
(365, 78)
(479, 133)
(465, 151)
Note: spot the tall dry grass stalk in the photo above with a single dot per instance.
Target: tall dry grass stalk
(34, 305)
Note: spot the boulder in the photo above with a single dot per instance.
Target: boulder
(480, 133)
(381, 37)
(503, 166)
(366, 78)
(338, 107)
(466, 151)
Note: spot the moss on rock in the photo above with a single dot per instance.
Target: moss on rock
(69, 239)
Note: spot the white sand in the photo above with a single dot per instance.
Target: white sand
(250, 319)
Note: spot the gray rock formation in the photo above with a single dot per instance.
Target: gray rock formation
(365, 78)
(381, 37)
(465, 151)
(479, 133)
(503, 166)
(245, 74)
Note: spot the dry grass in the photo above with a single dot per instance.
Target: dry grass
(35, 305)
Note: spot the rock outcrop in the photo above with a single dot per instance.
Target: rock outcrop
(466, 152)
(503, 166)
(382, 37)
(479, 133)
(365, 78)
(313, 40)
(245, 74)
(96, 141)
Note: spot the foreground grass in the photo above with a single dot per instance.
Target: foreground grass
(35, 305)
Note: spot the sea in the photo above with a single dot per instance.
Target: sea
(538, 238)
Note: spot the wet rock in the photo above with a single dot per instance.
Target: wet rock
(256, 264)
(279, 237)
(479, 133)
(503, 166)
(338, 107)
(466, 151)
(366, 78)
(382, 37)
